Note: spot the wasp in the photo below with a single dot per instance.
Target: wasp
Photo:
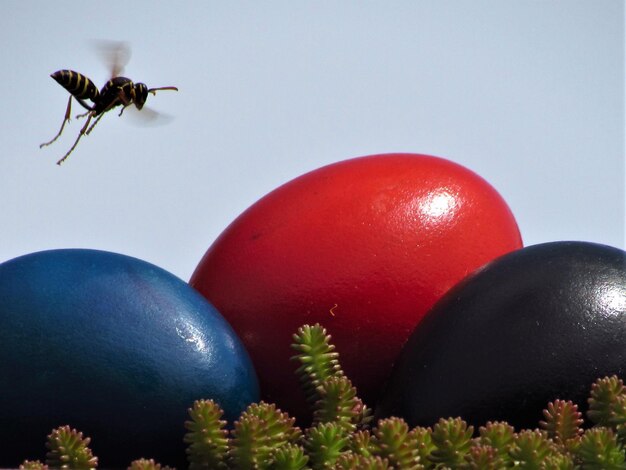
(118, 91)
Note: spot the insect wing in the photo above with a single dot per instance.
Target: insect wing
(115, 54)
(147, 117)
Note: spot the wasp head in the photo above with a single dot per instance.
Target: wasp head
(141, 95)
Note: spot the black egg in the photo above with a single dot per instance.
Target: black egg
(538, 324)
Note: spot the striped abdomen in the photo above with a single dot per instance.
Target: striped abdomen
(77, 84)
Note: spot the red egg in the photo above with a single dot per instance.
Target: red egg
(365, 247)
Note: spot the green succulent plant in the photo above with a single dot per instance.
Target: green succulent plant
(607, 405)
(605, 393)
(207, 437)
(393, 441)
(261, 430)
(599, 449)
(484, 457)
(338, 403)
(559, 462)
(352, 461)
(325, 442)
(361, 443)
(146, 464)
(530, 448)
(423, 440)
(452, 439)
(563, 421)
(343, 436)
(290, 457)
(499, 436)
(68, 449)
(33, 465)
(318, 359)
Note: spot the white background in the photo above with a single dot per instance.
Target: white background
(528, 94)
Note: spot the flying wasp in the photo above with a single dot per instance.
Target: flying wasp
(118, 91)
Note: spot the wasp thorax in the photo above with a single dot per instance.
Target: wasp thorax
(141, 94)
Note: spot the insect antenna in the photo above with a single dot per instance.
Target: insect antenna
(154, 90)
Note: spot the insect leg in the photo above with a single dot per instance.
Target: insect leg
(123, 108)
(94, 124)
(84, 105)
(80, 134)
(125, 102)
(68, 112)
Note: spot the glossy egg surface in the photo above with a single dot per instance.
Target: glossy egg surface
(364, 247)
(115, 347)
(536, 325)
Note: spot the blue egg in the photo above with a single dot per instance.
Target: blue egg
(115, 347)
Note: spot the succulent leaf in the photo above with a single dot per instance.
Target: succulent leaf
(563, 421)
(352, 461)
(482, 457)
(423, 443)
(68, 449)
(325, 442)
(364, 415)
(530, 448)
(498, 435)
(452, 440)
(599, 449)
(618, 421)
(290, 457)
(207, 437)
(259, 432)
(33, 465)
(558, 461)
(318, 359)
(338, 402)
(361, 443)
(146, 464)
(393, 442)
(603, 398)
